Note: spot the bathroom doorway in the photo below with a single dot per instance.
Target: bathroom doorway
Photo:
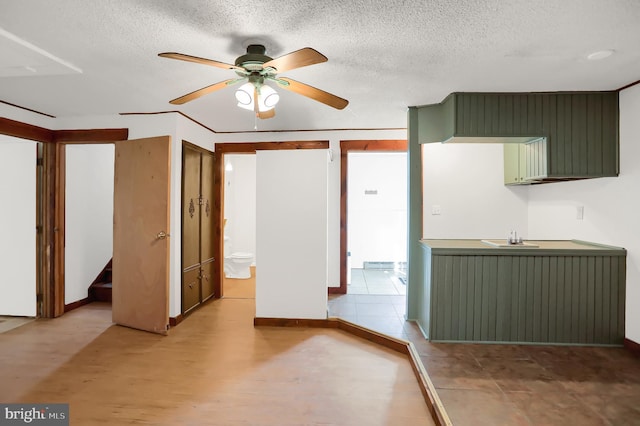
(239, 226)
(241, 175)
(373, 217)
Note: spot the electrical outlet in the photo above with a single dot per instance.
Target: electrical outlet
(579, 212)
(435, 209)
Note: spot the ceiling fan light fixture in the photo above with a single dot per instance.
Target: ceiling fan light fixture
(244, 96)
(268, 98)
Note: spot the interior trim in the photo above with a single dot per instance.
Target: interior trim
(347, 146)
(87, 136)
(74, 305)
(632, 346)
(173, 321)
(628, 85)
(436, 408)
(171, 112)
(259, 131)
(22, 130)
(27, 109)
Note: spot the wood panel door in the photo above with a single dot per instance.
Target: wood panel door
(198, 227)
(190, 228)
(207, 227)
(141, 234)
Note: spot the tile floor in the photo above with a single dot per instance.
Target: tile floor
(377, 281)
(492, 384)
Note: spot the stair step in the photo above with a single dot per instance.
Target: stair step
(101, 291)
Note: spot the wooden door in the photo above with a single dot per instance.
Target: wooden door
(190, 228)
(207, 229)
(141, 234)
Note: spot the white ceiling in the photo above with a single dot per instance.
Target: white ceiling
(383, 55)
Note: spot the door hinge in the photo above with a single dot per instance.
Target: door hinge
(39, 297)
(39, 229)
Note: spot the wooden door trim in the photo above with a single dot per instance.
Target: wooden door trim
(346, 146)
(50, 274)
(218, 188)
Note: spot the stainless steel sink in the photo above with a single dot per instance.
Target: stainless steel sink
(504, 243)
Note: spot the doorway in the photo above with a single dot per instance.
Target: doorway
(246, 153)
(239, 225)
(377, 219)
(385, 313)
(348, 147)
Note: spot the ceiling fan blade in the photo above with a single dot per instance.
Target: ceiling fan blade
(311, 92)
(298, 59)
(205, 90)
(267, 114)
(203, 61)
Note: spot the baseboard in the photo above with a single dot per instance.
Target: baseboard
(399, 345)
(290, 322)
(337, 290)
(173, 321)
(632, 346)
(75, 305)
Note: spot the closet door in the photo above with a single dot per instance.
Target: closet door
(190, 228)
(207, 237)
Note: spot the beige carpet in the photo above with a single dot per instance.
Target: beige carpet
(240, 289)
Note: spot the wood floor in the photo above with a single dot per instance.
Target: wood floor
(214, 368)
(240, 288)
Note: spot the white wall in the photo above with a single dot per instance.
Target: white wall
(334, 138)
(180, 128)
(17, 227)
(88, 216)
(611, 207)
(240, 202)
(377, 222)
(291, 234)
(467, 182)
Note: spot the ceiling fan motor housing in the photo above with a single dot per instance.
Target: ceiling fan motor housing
(254, 58)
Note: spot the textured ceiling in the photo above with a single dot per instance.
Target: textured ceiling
(383, 56)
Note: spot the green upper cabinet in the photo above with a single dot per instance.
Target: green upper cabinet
(580, 129)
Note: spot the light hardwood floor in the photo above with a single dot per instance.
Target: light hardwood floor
(240, 289)
(215, 368)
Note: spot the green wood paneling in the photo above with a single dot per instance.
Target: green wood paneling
(581, 127)
(526, 298)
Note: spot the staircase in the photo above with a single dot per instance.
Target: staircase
(100, 288)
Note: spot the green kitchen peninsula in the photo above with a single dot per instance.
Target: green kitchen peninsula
(540, 292)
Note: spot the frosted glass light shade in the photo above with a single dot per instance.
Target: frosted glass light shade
(267, 97)
(244, 96)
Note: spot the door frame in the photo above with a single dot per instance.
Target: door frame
(50, 270)
(346, 146)
(223, 148)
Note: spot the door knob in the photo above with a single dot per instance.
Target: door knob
(162, 235)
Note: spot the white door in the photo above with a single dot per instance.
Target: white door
(291, 234)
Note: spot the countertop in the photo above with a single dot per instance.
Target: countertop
(544, 248)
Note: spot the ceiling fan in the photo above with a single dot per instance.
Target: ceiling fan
(255, 68)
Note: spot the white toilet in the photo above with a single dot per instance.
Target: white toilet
(236, 265)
